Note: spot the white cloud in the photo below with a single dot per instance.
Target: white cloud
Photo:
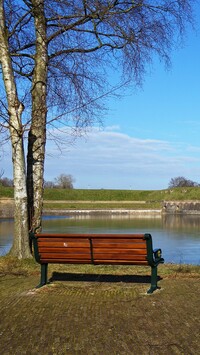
(112, 128)
(111, 159)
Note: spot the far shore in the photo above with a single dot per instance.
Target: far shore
(91, 212)
(107, 212)
(108, 207)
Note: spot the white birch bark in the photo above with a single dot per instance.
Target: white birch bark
(20, 247)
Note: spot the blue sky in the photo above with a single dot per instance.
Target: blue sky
(150, 135)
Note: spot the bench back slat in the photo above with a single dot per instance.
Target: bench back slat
(65, 261)
(122, 256)
(118, 244)
(120, 262)
(54, 255)
(66, 243)
(92, 248)
(89, 235)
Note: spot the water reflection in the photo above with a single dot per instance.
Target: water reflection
(6, 235)
(178, 236)
(179, 222)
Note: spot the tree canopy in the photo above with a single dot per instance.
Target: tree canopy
(79, 40)
(64, 181)
(181, 181)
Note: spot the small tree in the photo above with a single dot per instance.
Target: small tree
(64, 181)
(181, 181)
(48, 184)
(6, 182)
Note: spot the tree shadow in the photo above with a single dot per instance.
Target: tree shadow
(58, 276)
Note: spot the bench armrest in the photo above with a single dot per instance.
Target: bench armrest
(157, 253)
(33, 239)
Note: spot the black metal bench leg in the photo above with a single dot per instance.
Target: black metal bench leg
(43, 281)
(153, 279)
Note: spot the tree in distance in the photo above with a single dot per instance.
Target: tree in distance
(64, 181)
(6, 182)
(181, 181)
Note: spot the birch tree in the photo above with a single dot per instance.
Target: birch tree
(15, 109)
(55, 59)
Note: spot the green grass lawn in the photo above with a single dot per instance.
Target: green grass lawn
(180, 194)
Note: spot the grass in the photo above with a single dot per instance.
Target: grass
(79, 199)
(180, 194)
(98, 315)
(6, 192)
(12, 266)
(190, 193)
(95, 195)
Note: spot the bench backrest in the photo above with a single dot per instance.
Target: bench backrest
(93, 248)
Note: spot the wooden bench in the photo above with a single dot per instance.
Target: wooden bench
(96, 249)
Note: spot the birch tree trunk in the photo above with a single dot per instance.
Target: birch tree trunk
(37, 133)
(20, 247)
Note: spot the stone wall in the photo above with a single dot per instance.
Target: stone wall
(179, 207)
(173, 207)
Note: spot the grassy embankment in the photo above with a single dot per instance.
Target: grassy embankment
(110, 199)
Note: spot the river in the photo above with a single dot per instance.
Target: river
(177, 236)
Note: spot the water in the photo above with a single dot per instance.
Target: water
(6, 235)
(177, 236)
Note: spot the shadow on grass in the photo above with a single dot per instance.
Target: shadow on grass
(57, 276)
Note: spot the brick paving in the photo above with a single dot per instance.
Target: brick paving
(99, 318)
